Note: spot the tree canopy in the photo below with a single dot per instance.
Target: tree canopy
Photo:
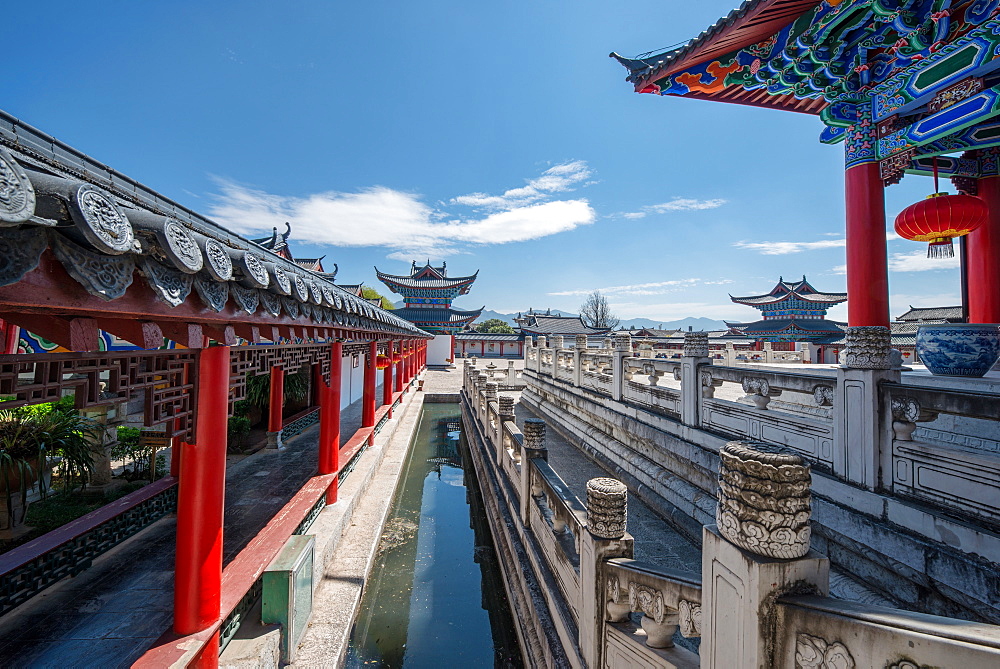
(494, 326)
(596, 312)
(371, 294)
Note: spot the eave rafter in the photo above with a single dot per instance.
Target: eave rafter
(807, 56)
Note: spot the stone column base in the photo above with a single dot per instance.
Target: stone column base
(274, 440)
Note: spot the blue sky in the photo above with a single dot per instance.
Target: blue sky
(496, 136)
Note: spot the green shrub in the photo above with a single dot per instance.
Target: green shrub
(239, 430)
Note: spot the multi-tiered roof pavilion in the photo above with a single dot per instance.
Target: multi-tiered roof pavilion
(793, 311)
(428, 292)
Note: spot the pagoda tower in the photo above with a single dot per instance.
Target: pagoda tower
(793, 311)
(428, 293)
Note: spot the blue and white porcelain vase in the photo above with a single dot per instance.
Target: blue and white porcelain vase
(959, 349)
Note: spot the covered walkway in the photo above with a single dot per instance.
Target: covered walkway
(109, 615)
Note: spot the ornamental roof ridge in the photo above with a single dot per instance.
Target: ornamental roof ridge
(146, 223)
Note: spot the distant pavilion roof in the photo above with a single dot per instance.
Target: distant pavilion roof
(426, 277)
(789, 290)
(489, 336)
(777, 325)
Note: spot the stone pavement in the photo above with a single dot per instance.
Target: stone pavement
(112, 613)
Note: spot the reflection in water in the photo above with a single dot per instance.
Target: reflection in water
(435, 597)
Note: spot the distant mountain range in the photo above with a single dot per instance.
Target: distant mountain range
(638, 323)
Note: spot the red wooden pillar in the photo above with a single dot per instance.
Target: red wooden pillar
(329, 421)
(983, 252)
(398, 348)
(276, 400)
(387, 380)
(867, 266)
(406, 362)
(200, 503)
(11, 337)
(368, 393)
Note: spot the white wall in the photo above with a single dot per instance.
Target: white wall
(352, 380)
(439, 350)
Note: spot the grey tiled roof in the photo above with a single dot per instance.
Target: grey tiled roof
(932, 313)
(558, 325)
(488, 336)
(817, 325)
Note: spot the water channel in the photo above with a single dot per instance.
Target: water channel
(435, 597)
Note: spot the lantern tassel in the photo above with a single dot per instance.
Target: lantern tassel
(941, 248)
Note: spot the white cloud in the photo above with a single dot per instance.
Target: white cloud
(784, 248)
(677, 204)
(655, 288)
(915, 261)
(557, 179)
(384, 217)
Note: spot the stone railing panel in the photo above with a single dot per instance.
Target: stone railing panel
(821, 632)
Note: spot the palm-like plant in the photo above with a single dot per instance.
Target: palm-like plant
(29, 435)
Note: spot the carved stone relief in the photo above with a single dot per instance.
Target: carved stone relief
(270, 302)
(607, 507)
(101, 222)
(301, 290)
(823, 395)
(315, 292)
(623, 342)
(328, 297)
(764, 499)
(282, 284)
(813, 652)
(618, 608)
(17, 196)
(867, 347)
(689, 614)
(291, 307)
(218, 263)
(696, 344)
(107, 277)
(254, 273)
(181, 247)
(20, 251)
(248, 299)
(214, 294)
(168, 284)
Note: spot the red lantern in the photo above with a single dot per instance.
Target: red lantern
(381, 361)
(939, 219)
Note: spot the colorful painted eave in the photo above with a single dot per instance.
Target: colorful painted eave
(751, 23)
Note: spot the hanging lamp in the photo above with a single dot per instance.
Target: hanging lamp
(940, 218)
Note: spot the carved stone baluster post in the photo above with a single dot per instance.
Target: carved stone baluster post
(492, 427)
(862, 434)
(505, 413)
(578, 351)
(534, 447)
(542, 344)
(623, 349)
(604, 538)
(757, 552)
(695, 356)
(480, 400)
